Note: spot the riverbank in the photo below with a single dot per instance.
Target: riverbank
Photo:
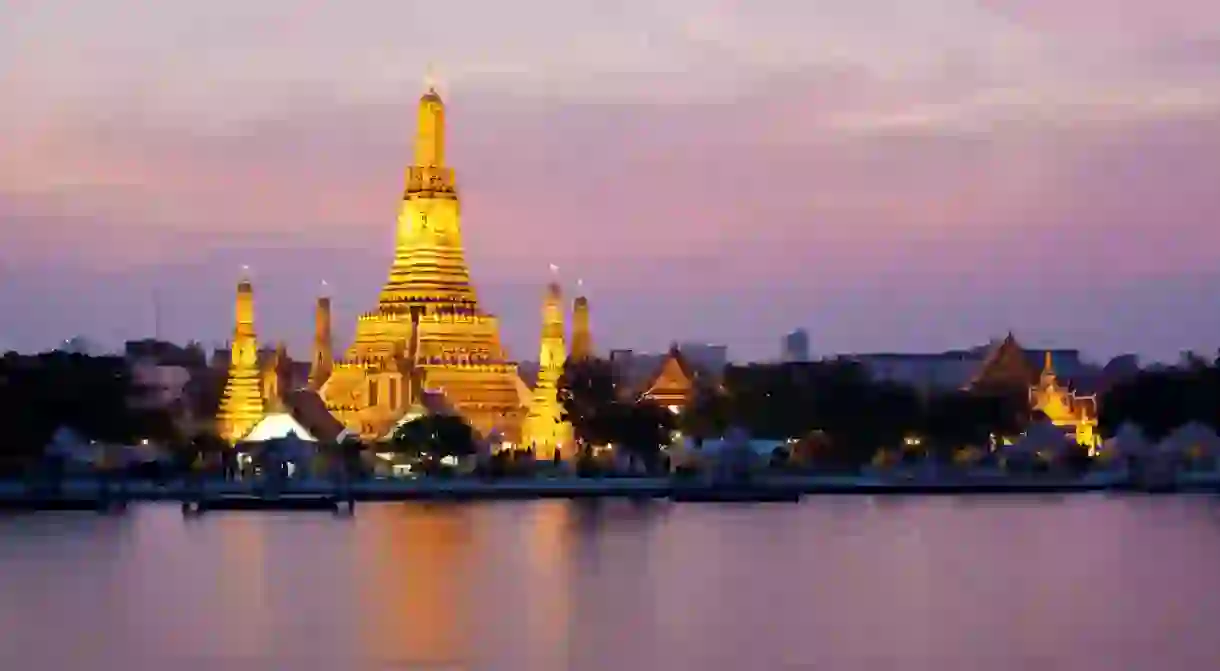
(770, 487)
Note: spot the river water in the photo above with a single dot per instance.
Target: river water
(1081, 583)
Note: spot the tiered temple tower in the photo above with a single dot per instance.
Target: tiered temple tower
(241, 406)
(544, 430)
(582, 336)
(457, 350)
(276, 378)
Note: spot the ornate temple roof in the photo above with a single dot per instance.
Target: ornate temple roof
(1006, 365)
(308, 409)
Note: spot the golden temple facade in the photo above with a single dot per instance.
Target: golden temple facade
(544, 429)
(1064, 408)
(241, 406)
(428, 325)
(1008, 367)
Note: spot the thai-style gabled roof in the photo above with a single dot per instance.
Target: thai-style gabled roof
(309, 410)
(1078, 405)
(1007, 365)
(674, 375)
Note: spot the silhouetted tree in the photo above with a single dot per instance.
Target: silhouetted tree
(955, 419)
(588, 392)
(95, 396)
(641, 428)
(436, 435)
(708, 413)
(1161, 400)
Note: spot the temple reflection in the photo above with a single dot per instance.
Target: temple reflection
(243, 593)
(412, 576)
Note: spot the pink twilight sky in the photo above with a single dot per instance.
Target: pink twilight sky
(893, 175)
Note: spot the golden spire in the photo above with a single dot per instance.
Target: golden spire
(430, 128)
(429, 266)
(323, 356)
(582, 335)
(1048, 371)
(241, 406)
(544, 429)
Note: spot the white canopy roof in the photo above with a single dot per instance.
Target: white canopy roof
(278, 425)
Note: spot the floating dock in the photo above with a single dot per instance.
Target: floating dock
(252, 502)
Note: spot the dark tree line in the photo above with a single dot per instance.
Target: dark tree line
(852, 415)
(601, 412)
(855, 416)
(1160, 400)
(92, 395)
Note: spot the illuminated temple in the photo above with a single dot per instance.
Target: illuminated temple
(1008, 367)
(241, 406)
(428, 332)
(544, 429)
(1064, 408)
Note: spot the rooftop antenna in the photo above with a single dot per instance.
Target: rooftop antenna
(156, 306)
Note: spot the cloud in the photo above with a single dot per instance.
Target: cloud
(694, 163)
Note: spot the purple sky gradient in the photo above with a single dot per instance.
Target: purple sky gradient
(891, 175)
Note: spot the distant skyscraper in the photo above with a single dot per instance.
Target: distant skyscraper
(795, 346)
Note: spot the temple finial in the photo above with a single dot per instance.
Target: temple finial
(430, 78)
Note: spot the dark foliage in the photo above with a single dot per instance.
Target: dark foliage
(957, 418)
(91, 395)
(853, 416)
(588, 393)
(600, 414)
(1161, 400)
(436, 436)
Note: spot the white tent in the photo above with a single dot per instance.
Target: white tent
(1191, 437)
(277, 425)
(290, 449)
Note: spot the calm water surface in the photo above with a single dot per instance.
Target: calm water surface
(1081, 583)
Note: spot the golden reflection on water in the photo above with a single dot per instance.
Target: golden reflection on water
(1086, 583)
(549, 543)
(411, 573)
(243, 592)
(432, 580)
